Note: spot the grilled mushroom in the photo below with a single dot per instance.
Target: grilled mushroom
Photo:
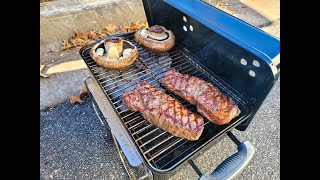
(156, 38)
(120, 53)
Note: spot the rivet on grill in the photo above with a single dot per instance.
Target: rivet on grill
(252, 73)
(185, 28)
(256, 63)
(243, 61)
(184, 18)
(191, 28)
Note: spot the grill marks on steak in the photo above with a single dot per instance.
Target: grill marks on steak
(210, 102)
(164, 111)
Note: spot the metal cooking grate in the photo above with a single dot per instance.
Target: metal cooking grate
(161, 150)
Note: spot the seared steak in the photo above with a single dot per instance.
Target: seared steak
(210, 102)
(164, 111)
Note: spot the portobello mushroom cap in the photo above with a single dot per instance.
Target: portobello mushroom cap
(110, 63)
(158, 39)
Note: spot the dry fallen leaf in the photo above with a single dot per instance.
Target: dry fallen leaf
(77, 98)
(80, 39)
(83, 91)
(141, 23)
(135, 26)
(77, 41)
(41, 74)
(102, 34)
(91, 34)
(66, 45)
(83, 36)
(111, 27)
(85, 42)
(122, 30)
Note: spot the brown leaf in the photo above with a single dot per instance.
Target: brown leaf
(83, 91)
(66, 45)
(141, 23)
(75, 99)
(135, 26)
(83, 36)
(85, 42)
(122, 30)
(80, 39)
(77, 42)
(41, 74)
(93, 35)
(102, 34)
(111, 27)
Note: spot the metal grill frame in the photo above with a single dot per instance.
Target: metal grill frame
(198, 65)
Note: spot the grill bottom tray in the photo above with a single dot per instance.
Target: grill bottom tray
(162, 152)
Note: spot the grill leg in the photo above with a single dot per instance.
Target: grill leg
(120, 155)
(147, 175)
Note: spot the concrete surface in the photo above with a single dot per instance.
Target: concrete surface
(269, 9)
(58, 87)
(242, 11)
(59, 19)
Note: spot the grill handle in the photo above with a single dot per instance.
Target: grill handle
(233, 165)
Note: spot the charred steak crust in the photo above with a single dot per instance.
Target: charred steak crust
(210, 102)
(164, 111)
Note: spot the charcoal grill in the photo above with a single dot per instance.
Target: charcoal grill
(210, 44)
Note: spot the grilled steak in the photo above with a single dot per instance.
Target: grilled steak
(210, 102)
(164, 111)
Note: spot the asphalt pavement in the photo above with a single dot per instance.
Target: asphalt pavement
(74, 145)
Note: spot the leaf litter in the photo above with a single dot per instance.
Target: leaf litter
(77, 98)
(80, 39)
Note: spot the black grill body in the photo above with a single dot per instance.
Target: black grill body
(220, 41)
